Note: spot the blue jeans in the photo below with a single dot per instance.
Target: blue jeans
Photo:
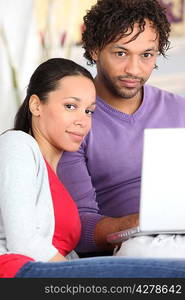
(105, 267)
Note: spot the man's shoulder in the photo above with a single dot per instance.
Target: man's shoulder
(162, 94)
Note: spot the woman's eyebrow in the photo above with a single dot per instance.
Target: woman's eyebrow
(92, 104)
(73, 97)
(78, 99)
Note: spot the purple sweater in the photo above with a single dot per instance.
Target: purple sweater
(104, 176)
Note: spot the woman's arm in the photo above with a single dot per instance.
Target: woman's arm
(24, 230)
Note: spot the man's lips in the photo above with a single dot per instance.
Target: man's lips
(129, 83)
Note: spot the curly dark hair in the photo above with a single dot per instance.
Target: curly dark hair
(109, 20)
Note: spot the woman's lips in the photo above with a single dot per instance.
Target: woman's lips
(78, 137)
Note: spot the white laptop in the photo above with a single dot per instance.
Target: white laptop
(162, 198)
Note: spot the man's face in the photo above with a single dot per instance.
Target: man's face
(122, 67)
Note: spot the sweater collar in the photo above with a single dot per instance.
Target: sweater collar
(108, 108)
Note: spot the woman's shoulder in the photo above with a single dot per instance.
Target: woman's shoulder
(16, 137)
(18, 141)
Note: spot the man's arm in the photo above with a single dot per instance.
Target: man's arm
(73, 172)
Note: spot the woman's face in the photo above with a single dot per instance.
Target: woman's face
(65, 118)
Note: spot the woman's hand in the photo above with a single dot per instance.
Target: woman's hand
(58, 257)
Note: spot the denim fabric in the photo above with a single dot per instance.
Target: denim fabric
(105, 267)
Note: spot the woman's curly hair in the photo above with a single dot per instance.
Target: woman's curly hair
(109, 20)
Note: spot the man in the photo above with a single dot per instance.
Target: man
(123, 38)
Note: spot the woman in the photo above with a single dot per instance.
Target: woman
(55, 116)
(39, 222)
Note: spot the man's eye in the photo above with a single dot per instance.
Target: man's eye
(120, 53)
(146, 55)
(70, 106)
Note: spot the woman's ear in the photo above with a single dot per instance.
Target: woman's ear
(34, 105)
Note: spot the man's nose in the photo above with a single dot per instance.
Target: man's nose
(132, 66)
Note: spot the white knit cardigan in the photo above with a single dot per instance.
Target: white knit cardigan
(26, 209)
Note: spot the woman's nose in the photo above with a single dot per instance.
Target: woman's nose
(81, 121)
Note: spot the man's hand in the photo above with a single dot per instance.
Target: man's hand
(129, 221)
(109, 225)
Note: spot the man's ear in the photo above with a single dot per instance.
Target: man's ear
(34, 105)
(95, 55)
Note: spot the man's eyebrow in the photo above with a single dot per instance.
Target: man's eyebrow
(120, 47)
(151, 49)
(126, 49)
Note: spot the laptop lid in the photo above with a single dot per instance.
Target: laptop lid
(162, 197)
(162, 200)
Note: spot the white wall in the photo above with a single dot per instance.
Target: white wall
(20, 50)
(23, 51)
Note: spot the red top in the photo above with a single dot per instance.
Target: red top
(67, 220)
(67, 227)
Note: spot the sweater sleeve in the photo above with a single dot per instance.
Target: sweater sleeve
(72, 171)
(18, 200)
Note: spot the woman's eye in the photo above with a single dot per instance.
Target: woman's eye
(89, 112)
(70, 106)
